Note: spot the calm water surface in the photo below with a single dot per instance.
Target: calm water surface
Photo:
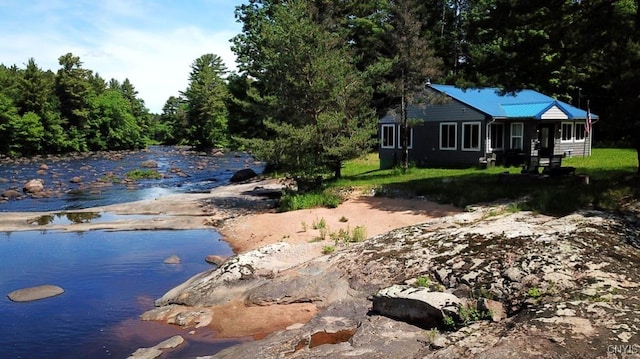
(110, 278)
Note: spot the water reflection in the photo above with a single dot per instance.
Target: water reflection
(66, 218)
(109, 278)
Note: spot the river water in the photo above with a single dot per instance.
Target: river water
(110, 278)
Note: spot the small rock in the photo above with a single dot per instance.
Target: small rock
(172, 260)
(156, 351)
(76, 179)
(494, 307)
(214, 259)
(439, 343)
(34, 186)
(149, 164)
(513, 274)
(35, 293)
(146, 353)
(11, 194)
(172, 342)
(43, 167)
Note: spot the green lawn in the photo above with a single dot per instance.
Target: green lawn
(611, 173)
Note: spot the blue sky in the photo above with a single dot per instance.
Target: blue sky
(150, 42)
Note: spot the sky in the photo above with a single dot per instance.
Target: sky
(151, 42)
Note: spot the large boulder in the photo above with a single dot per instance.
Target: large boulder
(416, 305)
(243, 175)
(34, 186)
(35, 293)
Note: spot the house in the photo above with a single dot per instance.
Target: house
(471, 125)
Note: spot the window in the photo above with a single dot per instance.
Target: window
(567, 131)
(409, 139)
(388, 136)
(448, 136)
(496, 135)
(471, 136)
(517, 131)
(580, 132)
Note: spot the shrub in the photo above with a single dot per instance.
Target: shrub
(423, 282)
(534, 292)
(319, 224)
(296, 201)
(359, 234)
(139, 174)
(328, 249)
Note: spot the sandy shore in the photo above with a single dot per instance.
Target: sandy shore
(242, 218)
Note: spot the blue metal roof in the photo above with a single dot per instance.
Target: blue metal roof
(521, 104)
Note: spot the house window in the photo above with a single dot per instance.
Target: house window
(496, 135)
(409, 139)
(580, 132)
(471, 136)
(517, 131)
(567, 132)
(388, 136)
(448, 136)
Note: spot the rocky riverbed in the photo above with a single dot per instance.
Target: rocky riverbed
(518, 285)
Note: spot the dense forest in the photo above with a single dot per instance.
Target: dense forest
(314, 76)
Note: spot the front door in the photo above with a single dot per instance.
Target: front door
(545, 140)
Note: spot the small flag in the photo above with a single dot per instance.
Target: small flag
(587, 126)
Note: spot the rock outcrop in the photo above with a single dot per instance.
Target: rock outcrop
(243, 175)
(514, 285)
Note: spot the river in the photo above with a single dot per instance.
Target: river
(110, 278)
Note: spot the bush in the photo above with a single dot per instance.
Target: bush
(296, 201)
(139, 174)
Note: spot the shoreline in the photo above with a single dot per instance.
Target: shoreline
(243, 216)
(245, 219)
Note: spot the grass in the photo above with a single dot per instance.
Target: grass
(611, 172)
(296, 201)
(328, 249)
(612, 183)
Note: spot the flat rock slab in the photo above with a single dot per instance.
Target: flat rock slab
(35, 293)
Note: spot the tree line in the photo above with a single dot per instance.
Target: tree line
(315, 75)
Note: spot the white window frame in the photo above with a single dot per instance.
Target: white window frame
(409, 140)
(491, 139)
(455, 136)
(392, 137)
(512, 136)
(469, 125)
(564, 137)
(584, 133)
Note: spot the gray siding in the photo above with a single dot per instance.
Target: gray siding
(426, 136)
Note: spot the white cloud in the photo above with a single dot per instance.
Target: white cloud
(151, 43)
(157, 64)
